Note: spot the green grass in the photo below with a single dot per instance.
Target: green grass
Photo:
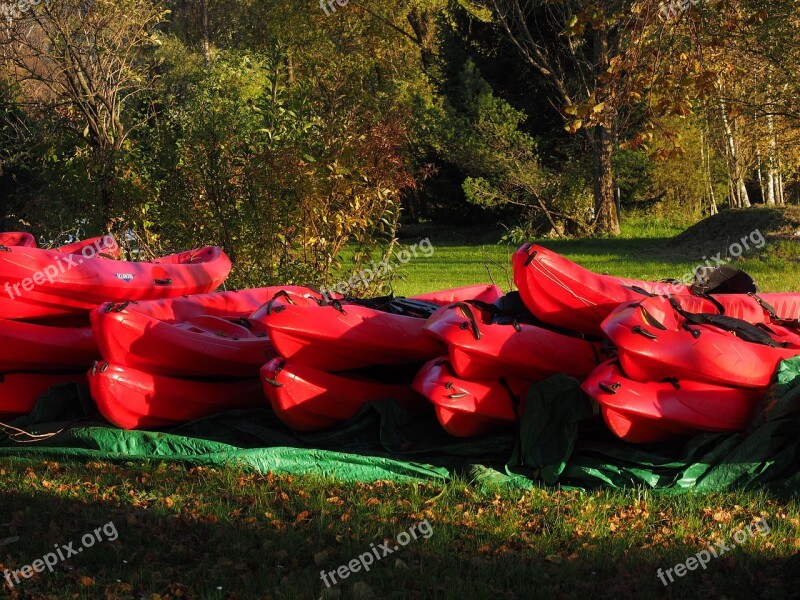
(204, 533)
(476, 255)
(190, 532)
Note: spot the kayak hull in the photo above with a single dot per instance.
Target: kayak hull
(133, 399)
(470, 408)
(202, 335)
(20, 391)
(38, 283)
(43, 348)
(653, 343)
(480, 349)
(559, 292)
(347, 338)
(307, 399)
(651, 412)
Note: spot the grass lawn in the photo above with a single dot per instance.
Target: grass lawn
(194, 532)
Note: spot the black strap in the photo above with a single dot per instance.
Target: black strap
(531, 256)
(742, 329)
(644, 333)
(639, 290)
(765, 305)
(609, 389)
(776, 318)
(467, 310)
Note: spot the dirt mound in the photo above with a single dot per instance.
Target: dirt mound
(757, 226)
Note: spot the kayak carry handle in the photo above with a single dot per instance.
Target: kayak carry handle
(643, 332)
(162, 281)
(466, 310)
(609, 389)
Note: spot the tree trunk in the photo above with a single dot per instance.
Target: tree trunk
(772, 173)
(606, 219)
(740, 197)
(761, 177)
(205, 32)
(705, 155)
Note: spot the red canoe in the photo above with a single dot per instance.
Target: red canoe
(653, 412)
(307, 399)
(20, 391)
(133, 399)
(560, 292)
(343, 336)
(469, 408)
(482, 349)
(45, 283)
(43, 348)
(202, 335)
(657, 338)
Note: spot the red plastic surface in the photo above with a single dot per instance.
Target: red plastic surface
(307, 399)
(19, 391)
(484, 293)
(560, 292)
(351, 338)
(42, 348)
(133, 399)
(485, 350)
(653, 344)
(469, 408)
(201, 335)
(17, 238)
(650, 412)
(79, 285)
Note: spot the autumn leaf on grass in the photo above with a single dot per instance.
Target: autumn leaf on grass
(303, 516)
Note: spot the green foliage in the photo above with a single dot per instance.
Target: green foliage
(484, 136)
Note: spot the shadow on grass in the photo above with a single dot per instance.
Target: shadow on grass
(186, 553)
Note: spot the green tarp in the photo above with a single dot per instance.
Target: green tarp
(560, 441)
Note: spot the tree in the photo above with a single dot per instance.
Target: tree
(572, 45)
(83, 62)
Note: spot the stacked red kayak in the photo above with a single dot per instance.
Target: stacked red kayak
(172, 360)
(659, 360)
(325, 348)
(48, 293)
(36, 356)
(495, 353)
(45, 283)
(684, 363)
(690, 364)
(562, 293)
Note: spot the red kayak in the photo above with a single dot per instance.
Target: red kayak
(481, 348)
(653, 412)
(20, 391)
(133, 399)
(560, 292)
(202, 335)
(481, 293)
(343, 336)
(307, 399)
(469, 408)
(44, 348)
(17, 238)
(686, 337)
(44, 283)
(104, 247)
